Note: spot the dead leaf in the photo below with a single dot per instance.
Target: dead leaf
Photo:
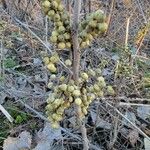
(133, 137)
(99, 121)
(46, 137)
(23, 141)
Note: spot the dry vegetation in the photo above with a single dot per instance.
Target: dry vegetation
(74, 79)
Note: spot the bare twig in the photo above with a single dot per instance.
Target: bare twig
(133, 104)
(110, 15)
(127, 33)
(140, 131)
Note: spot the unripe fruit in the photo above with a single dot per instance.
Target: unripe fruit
(60, 110)
(110, 90)
(87, 42)
(84, 110)
(61, 45)
(61, 38)
(46, 3)
(68, 62)
(98, 71)
(68, 45)
(96, 87)
(54, 4)
(56, 17)
(61, 29)
(53, 39)
(83, 45)
(46, 60)
(51, 67)
(50, 119)
(99, 16)
(70, 99)
(90, 37)
(67, 36)
(100, 93)
(64, 17)
(78, 101)
(51, 13)
(93, 24)
(91, 97)
(63, 87)
(102, 27)
(62, 78)
(70, 88)
(49, 107)
(55, 125)
(91, 72)
(50, 85)
(101, 79)
(60, 7)
(84, 76)
(91, 89)
(55, 33)
(58, 23)
(53, 76)
(54, 58)
(83, 34)
(57, 117)
(101, 82)
(76, 93)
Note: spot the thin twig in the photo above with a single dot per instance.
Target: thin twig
(4, 111)
(127, 33)
(140, 131)
(133, 104)
(110, 15)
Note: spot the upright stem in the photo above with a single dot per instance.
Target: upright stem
(76, 49)
(76, 66)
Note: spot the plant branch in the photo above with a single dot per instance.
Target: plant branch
(76, 66)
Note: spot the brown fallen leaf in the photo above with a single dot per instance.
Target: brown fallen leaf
(22, 142)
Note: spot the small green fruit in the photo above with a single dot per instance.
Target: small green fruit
(84, 76)
(63, 87)
(53, 39)
(68, 45)
(46, 60)
(93, 24)
(60, 7)
(46, 3)
(61, 45)
(50, 85)
(55, 125)
(51, 13)
(51, 67)
(54, 58)
(70, 88)
(76, 93)
(68, 62)
(78, 101)
(61, 29)
(110, 90)
(102, 27)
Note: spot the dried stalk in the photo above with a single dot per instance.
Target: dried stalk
(4, 111)
(76, 66)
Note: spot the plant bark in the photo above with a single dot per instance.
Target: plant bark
(76, 65)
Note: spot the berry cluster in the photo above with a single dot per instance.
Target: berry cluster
(65, 93)
(94, 25)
